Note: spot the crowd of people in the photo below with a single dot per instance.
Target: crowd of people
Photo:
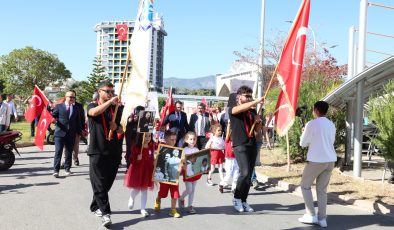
(233, 136)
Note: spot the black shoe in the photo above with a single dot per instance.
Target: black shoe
(62, 166)
(221, 188)
(76, 163)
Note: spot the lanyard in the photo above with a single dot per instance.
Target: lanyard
(248, 124)
(106, 133)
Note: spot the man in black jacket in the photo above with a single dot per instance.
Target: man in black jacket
(68, 125)
(178, 123)
(104, 154)
(200, 124)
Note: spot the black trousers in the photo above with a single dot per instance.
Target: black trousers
(246, 159)
(102, 171)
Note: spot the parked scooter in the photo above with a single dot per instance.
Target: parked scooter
(7, 145)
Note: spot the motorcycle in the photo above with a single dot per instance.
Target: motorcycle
(7, 145)
(51, 135)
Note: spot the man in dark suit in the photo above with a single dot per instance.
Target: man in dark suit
(178, 123)
(81, 113)
(68, 125)
(200, 124)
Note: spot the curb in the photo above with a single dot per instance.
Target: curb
(24, 144)
(374, 207)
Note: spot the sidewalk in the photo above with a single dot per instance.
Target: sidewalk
(373, 173)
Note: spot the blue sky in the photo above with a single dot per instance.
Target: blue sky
(202, 34)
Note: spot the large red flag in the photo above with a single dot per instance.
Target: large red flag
(289, 70)
(169, 106)
(45, 121)
(37, 103)
(122, 32)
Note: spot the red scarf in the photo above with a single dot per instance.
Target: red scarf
(104, 123)
(248, 124)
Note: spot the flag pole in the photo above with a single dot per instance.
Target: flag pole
(120, 91)
(265, 96)
(288, 151)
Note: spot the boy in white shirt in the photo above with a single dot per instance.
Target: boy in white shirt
(319, 137)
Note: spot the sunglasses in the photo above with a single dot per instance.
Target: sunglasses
(108, 91)
(247, 96)
(71, 97)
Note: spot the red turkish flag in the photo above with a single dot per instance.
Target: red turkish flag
(169, 106)
(42, 127)
(289, 70)
(122, 32)
(36, 104)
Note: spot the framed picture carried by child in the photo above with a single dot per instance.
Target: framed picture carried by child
(168, 164)
(197, 163)
(146, 121)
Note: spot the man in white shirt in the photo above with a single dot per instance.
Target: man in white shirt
(319, 137)
(4, 115)
(14, 115)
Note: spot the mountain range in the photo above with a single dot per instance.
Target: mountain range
(207, 82)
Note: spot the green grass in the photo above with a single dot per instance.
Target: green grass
(24, 128)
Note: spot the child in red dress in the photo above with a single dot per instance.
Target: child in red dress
(190, 183)
(216, 144)
(170, 139)
(139, 174)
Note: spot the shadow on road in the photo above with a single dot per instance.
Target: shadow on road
(15, 187)
(356, 221)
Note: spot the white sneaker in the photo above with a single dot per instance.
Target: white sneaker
(106, 220)
(237, 203)
(144, 213)
(322, 223)
(68, 173)
(98, 213)
(209, 182)
(308, 219)
(131, 203)
(247, 207)
(56, 174)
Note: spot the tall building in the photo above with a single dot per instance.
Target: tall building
(113, 53)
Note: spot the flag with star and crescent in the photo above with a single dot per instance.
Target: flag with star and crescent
(289, 71)
(42, 126)
(37, 103)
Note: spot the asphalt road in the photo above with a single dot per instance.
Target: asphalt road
(31, 198)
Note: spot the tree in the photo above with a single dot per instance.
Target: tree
(320, 75)
(21, 69)
(90, 86)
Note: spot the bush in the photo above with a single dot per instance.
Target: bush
(310, 92)
(380, 108)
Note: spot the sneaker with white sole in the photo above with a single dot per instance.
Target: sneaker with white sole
(131, 203)
(56, 174)
(144, 213)
(237, 203)
(247, 207)
(210, 182)
(191, 210)
(322, 223)
(68, 173)
(308, 219)
(98, 213)
(106, 220)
